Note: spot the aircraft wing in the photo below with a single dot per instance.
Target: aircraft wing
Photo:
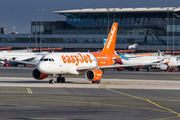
(113, 66)
(127, 57)
(24, 62)
(28, 59)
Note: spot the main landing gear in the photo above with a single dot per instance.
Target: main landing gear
(98, 82)
(59, 79)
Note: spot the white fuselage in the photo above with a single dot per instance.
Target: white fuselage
(149, 59)
(65, 63)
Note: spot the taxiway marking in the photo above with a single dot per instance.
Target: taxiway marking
(171, 111)
(29, 91)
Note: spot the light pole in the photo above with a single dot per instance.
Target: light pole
(41, 30)
(173, 33)
(167, 26)
(174, 28)
(14, 29)
(108, 21)
(36, 29)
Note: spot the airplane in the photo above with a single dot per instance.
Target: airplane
(91, 64)
(7, 57)
(164, 61)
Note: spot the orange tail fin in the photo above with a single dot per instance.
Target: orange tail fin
(111, 41)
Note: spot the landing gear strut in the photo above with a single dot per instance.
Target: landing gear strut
(51, 81)
(60, 79)
(98, 82)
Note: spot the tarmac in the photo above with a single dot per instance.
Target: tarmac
(120, 96)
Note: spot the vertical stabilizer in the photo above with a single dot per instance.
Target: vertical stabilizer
(111, 41)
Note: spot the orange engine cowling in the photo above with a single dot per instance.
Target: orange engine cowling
(93, 74)
(38, 75)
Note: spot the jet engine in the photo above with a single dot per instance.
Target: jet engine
(162, 67)
(119, 61)
(38, 75)
(93, 74)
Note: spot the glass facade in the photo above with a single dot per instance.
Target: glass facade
(142, 28)
(152, 21)
(50, 39)
(126, 19)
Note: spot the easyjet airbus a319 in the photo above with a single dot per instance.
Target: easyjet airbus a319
(91, 64)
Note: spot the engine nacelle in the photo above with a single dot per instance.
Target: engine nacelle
(119, 61)
(38, 75)
(162, 67)
(93, 74)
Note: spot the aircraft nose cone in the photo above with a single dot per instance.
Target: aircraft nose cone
(41, 67)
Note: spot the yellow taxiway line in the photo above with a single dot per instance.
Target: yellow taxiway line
(29, 91)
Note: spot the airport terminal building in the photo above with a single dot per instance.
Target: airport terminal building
(150, 28)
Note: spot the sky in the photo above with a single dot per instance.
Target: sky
(20, 13)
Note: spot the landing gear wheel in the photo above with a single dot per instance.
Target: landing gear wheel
(98, 81)
(51, 81)
(58, 79)
(137, 69)
(63, 80)
(93, 82)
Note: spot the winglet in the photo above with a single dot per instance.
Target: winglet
(111, 41)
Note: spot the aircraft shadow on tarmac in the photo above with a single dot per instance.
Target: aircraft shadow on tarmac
(33, 81)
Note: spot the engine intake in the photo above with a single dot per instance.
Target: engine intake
(162, 67)
(119, 62)
(38, 75)
(93, 74)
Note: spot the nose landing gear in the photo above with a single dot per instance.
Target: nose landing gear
(51, 81)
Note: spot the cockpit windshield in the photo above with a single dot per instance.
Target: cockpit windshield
(47, 59)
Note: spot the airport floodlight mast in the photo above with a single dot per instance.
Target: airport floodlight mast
(173, 33)
(108, 21)
(41, 29)
(167, 28)
(36, 28)
(14, 28)
(177, 16)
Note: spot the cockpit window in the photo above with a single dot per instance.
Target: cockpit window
(46, 59)
(41, 59)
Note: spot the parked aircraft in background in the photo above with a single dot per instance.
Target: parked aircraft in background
(164, 61)
(21, 56)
